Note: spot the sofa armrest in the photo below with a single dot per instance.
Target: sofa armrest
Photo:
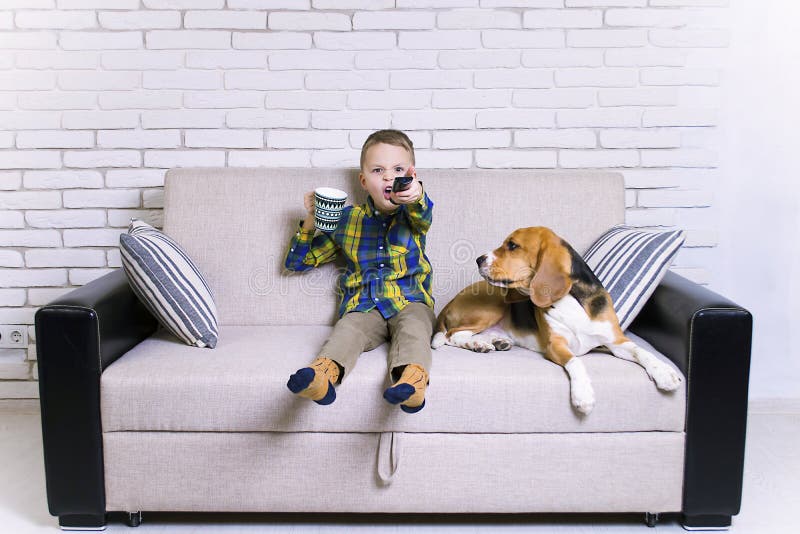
(78, 335)
(708, 337)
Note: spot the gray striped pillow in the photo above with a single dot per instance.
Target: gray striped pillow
(169, 284)
(630, 264)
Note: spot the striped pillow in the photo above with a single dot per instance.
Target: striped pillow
(169, 284)
(630, 264)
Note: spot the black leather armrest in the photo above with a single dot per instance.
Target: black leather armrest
(709, 338)
(77, 336)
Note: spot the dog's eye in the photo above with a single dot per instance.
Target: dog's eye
(511, 245)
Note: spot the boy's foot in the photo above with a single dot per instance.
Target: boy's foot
(316, 381)
(409, 391)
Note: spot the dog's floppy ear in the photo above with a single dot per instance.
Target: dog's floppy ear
(551, 281)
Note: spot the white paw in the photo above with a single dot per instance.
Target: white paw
(665, 377)
(582, 396)
(502, 343)
(479, 344)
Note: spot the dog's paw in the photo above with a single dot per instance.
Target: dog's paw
(582, 396)
(665, 377)
(479, 344)
(502, 343)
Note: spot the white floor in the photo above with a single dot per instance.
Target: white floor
(770, 501)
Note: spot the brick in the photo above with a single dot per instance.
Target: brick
(398, 59)
(394, 20)
(478, 19)
(420, 79)
(444, 159)
(662, 18)
(184, 4)
(184, 158)
(589, 118)
(645, 57)
(270, 4)
(248, 118)
(29, 4)
(270, 158)
(63, 179)
(139, 138)
(66, 218)
(244, 20)
(135, 178)
(606, 77)
(104, 198)
(183, 119)
(440, 120)
(100, 40)
(224, 138)
(562, 58)
(515, 159)
(351, 120)
(142, 60)
(515, 118)
(674, 199)
(12, 297)
(65, 258)
(32, 200)
(334, 158)
(103, 158)
(26, 238)
(439, 40)
(67, 20)
(686, 157)
(40, 297)
(681, 76)
(389, 100)
(579, 159)
(36, 59)
(27, 80)
(27, 40)
(29, 120)
(554, 98)
(30, 159)
(306, 139)
(563, 18)
(606, 38)
(356, 4)
(311, 60)
(98, 4)
(472, 139)
(469, 98)
(479, 59)
(223, 99)
(555, 138)
(363, 40)
(646, 96)
(54, 139)
(690, 38)
(650, 217)
(57, 101)
(7, 139)
(82, 120)
(140, 20)
(206, 39)
(680, 117)
(248, 79)
(345, 81)
(522, 78)
(11, 219)
(308, 21)
(140, 100)
(272, 41)
(182, 79)
(332, 100)
(226, 60)
(92, 238)
(643, 138)
(99, 81)
(82, 277)
(606, 3)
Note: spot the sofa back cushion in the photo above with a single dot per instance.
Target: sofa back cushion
(236, 224)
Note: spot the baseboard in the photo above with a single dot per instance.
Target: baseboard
(788, 405)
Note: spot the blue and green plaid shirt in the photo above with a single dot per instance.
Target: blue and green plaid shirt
(386, 266)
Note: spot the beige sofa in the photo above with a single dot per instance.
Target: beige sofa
(156, 425)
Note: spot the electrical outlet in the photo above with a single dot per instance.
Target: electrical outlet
(13, 336)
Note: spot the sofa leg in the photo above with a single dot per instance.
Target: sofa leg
(706, 522)
(651, 519)
(82, 522)
(133, 519)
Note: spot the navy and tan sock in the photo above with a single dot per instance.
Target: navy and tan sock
(409, 390)
(316, 381)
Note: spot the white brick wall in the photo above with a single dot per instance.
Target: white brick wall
(99, 97)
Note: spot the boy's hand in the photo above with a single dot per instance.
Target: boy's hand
(308, 203)
(410, 195)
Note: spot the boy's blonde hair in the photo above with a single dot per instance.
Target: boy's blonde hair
(389, 137)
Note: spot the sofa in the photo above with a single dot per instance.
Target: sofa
(134, 420)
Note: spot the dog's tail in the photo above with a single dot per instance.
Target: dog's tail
(440, 337)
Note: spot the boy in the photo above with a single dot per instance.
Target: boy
(386, 288)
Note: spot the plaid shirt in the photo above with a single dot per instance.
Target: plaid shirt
(386, 265)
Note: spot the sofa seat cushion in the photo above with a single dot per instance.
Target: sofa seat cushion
(240, 386)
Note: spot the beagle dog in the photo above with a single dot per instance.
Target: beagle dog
(539, 294)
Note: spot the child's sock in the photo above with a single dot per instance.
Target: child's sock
(316, 381)
(409, 391)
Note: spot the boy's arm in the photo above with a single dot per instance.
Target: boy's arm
(307, 251)
(420, 213)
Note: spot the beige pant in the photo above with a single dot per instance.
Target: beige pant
(409, 332)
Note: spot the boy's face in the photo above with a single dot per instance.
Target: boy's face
(381, 164)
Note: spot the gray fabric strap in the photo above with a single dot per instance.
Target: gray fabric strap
(389, 452)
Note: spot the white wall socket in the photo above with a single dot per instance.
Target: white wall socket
(13, 336)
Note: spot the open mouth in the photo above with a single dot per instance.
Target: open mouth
(387, 192)
(500, 282)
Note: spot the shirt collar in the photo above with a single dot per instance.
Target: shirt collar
(372, 212)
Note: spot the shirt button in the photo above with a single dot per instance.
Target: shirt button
(291, 250)
(381, 265)
(380, 248)
(376, 300)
